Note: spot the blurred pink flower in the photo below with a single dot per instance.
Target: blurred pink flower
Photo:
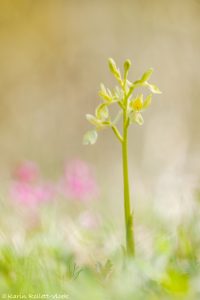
(23, 192)
(27, 186)
(44, 192)
(26, 172)
(31, 195)
(78, 181)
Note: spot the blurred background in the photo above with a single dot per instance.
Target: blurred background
(53, 56)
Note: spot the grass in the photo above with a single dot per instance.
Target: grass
(57, 256)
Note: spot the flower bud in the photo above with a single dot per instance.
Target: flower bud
(127, 65)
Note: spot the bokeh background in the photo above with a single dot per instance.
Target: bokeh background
(53, 55)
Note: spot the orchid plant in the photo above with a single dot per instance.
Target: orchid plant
(131, 107)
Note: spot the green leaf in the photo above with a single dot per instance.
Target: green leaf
(176, 282)
(147, 101)
(136, 117)
(105, 270)
(90, 137)
(102, 111)
(147, 75)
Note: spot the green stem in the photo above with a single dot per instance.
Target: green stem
(130, 247)
(116, 132)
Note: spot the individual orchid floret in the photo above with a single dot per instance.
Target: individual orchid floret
(105, 94)
(136, 106)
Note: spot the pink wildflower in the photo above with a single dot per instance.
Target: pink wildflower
(28, 188)
(79, 182)
(26, 172)
(31, 195)
(44, 192)
(23, 192)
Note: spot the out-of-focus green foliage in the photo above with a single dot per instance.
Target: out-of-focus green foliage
(47, 263)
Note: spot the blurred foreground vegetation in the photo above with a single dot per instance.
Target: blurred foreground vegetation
(48, 252)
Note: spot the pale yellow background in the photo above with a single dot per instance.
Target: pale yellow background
(53, 55)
